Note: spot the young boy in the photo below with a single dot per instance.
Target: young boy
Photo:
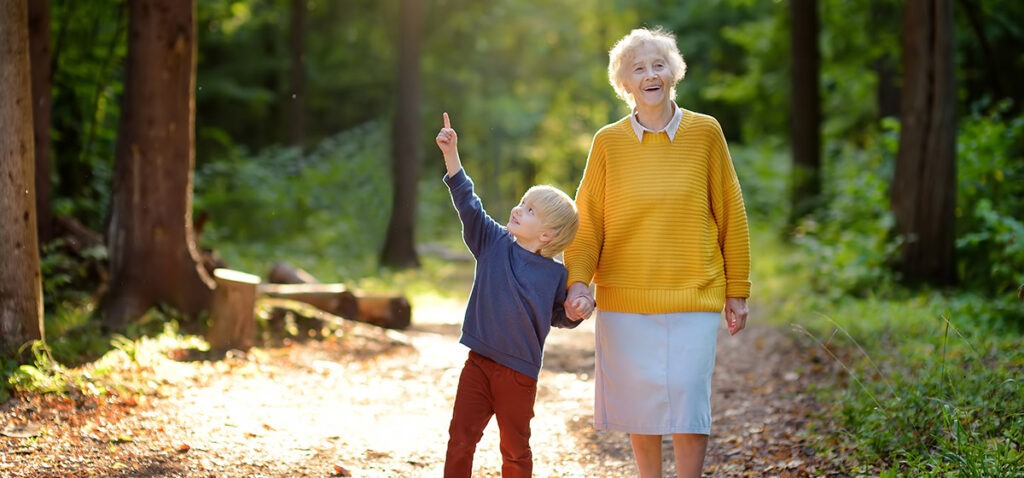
(518, 294)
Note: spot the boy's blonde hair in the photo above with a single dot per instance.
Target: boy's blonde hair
(558, 213)
(620, 56)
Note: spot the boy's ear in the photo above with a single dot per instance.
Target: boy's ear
(547, 236)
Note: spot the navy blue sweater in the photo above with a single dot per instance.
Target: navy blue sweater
(517, 294)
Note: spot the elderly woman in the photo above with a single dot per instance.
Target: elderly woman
(663, 236)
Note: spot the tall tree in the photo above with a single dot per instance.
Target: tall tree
(297, 98)
(21, 292)
(805, 107)
(399, 247)
(153, 255)
(924, 183)
(39, 47)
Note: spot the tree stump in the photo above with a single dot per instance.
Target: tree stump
(233, 310)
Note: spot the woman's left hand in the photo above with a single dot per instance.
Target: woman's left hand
(735, 314)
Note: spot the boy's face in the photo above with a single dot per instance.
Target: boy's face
(526, 223)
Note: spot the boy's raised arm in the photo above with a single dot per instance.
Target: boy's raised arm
(448, 141)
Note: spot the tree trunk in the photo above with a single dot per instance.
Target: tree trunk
(297, 98)
(924, 182)
(39, 46)
(153, 255)
(805, 104)
(21, 293)
(399, 246)
(233, 311)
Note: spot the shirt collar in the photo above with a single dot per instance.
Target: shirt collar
(670, 128)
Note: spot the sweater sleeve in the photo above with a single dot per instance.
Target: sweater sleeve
(730, 216)
(478, 228)
(581, 257)
(558, 315)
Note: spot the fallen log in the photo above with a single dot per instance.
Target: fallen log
(333, 298)
(285, 273)
(384, 311)
(232, 310)
(353, 327)
(290, 282)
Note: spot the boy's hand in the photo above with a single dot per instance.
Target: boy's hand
(448, 142)
(580, 302)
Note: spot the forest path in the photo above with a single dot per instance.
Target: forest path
(374, 403)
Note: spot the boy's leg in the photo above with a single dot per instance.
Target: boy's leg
(473, 409)
(515, 394)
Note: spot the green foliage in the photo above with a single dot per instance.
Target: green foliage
(990, 202)
(326, 211)
(848, 242)
(88, 48)
(44, 375)
(763, 173)
(67, 276)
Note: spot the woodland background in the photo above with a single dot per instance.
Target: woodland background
(880, 145)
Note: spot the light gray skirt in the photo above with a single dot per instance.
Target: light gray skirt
(653, 372)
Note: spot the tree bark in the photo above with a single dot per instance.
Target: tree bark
(805, 105)
(924, 183)
(153, 255)
(39, 46)
(21, 293)
(233, 311)
(399, 246)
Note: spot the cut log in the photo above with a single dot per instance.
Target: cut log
(285, 273)
(390, 312)
(233, 310)
(333, 298)
(289, 282)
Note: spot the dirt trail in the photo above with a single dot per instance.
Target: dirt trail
(376, 404)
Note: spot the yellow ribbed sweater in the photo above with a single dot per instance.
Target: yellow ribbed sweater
(663, 227)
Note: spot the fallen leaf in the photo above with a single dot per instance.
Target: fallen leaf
(184, 448)
(341, 471)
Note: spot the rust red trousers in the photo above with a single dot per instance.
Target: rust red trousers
(488, 388)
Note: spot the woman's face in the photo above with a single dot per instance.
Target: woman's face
(648, 77)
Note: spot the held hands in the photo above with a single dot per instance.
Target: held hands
(579, 303)
(448, 142)
(735, 314)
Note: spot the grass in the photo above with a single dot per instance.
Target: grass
(927, 384)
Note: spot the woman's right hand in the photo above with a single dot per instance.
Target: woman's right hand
(579, 302)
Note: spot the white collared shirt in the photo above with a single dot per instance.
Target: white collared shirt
(670, 128)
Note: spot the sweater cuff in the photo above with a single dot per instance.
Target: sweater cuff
(739, 289)
(455, 180)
